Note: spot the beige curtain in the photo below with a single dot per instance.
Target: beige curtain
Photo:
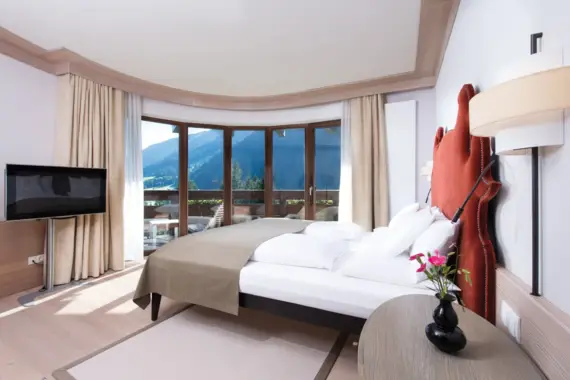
(369, 162)
(90, 133)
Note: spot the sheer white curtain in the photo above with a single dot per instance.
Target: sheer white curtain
(133, 209)
(345, 193)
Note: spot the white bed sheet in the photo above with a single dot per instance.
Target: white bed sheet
(320, 288)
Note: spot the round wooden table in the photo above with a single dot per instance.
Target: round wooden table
(393, 345)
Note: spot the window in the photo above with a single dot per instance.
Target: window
(248, 175)
(235, 175)
(205, 176)
(327, 172)
(161, 155)
(289, 173)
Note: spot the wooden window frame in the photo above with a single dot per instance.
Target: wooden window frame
(310, 196)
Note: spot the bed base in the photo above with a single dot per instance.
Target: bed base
(336, 321)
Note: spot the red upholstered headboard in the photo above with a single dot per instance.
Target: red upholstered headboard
(458, 160)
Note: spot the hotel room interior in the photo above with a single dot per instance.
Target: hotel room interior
(294, 190)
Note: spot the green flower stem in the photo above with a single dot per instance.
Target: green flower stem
(443, 291)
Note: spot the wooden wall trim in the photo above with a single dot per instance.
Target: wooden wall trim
(20, 240)
(436, 23)
(436, 20)
(545, 329)
(447, 34)
(24, 51)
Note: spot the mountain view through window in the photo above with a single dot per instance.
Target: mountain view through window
(205, 171)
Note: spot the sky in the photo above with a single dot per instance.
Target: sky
(153, 133)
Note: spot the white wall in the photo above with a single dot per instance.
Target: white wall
(171, 111)
(401, 131)
(426, 126)
(27, 116)
(490, 38)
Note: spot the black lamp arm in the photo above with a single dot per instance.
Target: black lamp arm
(460, 209)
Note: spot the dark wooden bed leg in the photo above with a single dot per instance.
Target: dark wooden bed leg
(155, 306)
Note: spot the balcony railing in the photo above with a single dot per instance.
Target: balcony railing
(164, 203)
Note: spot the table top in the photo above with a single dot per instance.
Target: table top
(393, 345)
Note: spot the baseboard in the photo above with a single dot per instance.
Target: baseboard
(545, 329)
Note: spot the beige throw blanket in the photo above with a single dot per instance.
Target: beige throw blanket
(204, 268)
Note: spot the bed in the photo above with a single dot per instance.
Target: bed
(217, 274)
(320, 288)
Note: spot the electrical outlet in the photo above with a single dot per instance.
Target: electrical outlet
(511, 320)
(39, 259)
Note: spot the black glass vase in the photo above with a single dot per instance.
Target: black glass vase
(443, 332)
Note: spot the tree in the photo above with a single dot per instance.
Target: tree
(239, 183)
(237, 173)
(254, 183)
(192, 185)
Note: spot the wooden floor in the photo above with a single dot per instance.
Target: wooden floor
(73, 322)
(36, 340)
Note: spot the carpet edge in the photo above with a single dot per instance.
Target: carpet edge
(63, 374)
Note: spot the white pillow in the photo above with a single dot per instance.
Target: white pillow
(402, 215)
(393, 241)
(441, 235)
(402, 236)
(336, 230)
(382, 242)
(300, 250)
(392, 270)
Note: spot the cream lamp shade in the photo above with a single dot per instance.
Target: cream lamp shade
(524, 112)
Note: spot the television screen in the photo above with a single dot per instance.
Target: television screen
(37, 192)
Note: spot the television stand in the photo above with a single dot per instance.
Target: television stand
(49, 261)
(49, 267)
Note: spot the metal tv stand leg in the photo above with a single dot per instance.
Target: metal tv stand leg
(49, 267)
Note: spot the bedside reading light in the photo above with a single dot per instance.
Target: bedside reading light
(426, 171)
(526, 112)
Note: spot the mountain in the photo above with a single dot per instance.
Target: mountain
(205, 158)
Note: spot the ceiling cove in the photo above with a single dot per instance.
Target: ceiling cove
(245, 56)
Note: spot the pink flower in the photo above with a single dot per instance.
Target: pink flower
(414, 257)
(422, 268)
(436, 252)
(438, 260)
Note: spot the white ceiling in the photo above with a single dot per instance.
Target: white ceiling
(229, 47)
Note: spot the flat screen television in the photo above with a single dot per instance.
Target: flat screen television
(41, 192)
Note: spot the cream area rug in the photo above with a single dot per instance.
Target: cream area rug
(202, 344)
